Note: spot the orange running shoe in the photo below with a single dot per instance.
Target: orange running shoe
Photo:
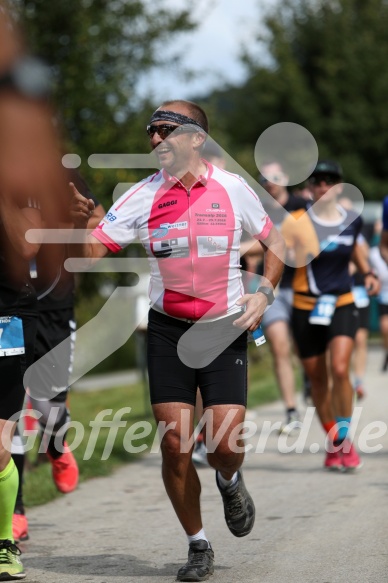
(19, 527)
(65, 471)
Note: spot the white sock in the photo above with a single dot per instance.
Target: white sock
(226, 483)
(199, 536)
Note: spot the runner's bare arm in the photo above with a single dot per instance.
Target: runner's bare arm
(274, 254)
(371, 282)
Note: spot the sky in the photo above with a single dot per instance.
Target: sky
(211, 51)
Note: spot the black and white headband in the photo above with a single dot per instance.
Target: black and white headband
(164, 115)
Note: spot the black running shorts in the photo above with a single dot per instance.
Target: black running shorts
(364, 317)
(12, 370)
(179, 363)
(313, 339)
(54, 353)
(383, 310)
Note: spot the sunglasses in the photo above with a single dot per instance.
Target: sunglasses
(164, 130)
(327, 178)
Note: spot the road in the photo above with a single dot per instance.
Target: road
(312, 526)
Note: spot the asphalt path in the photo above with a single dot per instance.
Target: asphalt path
(312, 526)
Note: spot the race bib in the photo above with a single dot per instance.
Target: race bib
(11, 336)
(323, 311)
(361, 298)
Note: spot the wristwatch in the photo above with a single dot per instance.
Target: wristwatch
(268, 292)
(29, 77)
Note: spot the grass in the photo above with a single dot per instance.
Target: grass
(95, 407)
(103, 405)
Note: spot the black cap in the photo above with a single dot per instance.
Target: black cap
(328, 167)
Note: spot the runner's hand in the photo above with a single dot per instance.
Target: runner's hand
(255, 305)
(81, 208)
(372, 284)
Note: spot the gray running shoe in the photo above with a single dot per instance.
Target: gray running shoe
(199, 455)
(200, 564)
(239, 508)
(292, 424)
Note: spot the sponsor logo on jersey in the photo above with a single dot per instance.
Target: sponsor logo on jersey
(179, 226)
(162, 205)
(159, 233)
(173, 248)
(212, 246)
(333, 241)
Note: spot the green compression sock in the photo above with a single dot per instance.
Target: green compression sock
(9, 481)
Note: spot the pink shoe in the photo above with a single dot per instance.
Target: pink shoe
(350, 458)
(65, 471)
(19, 527)
(333, 461)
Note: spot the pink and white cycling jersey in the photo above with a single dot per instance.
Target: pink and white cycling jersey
(192, 239)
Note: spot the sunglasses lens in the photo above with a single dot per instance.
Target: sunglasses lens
(327, 178)
(163, 130)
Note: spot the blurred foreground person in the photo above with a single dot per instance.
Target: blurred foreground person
(29, 145)
(30, 171)
(18, 320)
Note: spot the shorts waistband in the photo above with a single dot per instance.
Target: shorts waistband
(234, 315)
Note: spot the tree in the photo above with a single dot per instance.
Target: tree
(325, 72)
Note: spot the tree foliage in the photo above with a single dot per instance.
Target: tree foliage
(325, 71)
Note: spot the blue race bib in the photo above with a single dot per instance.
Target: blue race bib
(11, 336)
(323, 310)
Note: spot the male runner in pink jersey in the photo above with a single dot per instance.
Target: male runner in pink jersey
(189, 217)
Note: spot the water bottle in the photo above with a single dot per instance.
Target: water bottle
(258, 336)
